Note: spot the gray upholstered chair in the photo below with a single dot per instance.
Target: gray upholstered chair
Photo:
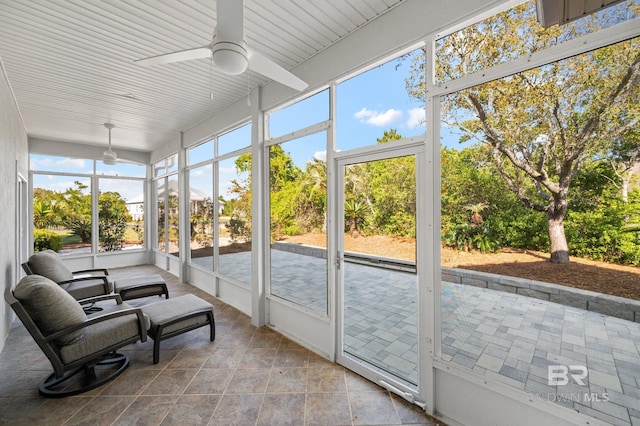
(80, 284)
(82, 350)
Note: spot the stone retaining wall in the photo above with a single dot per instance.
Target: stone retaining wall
(588, 300)
(614, 306)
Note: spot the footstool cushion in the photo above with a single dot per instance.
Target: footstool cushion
(175, 316)
(143, 286)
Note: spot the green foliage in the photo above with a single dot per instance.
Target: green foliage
(298, 197)
(282, 169)
(392, 184)
(603, 232)
(139, 230)
(541, 124)
(355, 214)
(113, 217)
(80, 226)
(283, 216)
(238, 229)
(72, 209)
(44, 239)
(518, 227)
(239, 208)
(466, 237)
(201, 222)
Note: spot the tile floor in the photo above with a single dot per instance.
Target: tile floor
(249, 375)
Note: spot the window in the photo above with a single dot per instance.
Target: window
(167, 190)
(201, 211)
(200, 153)
(298, 199)
(220, 205)
(376, 101)
(120, 214)
(63, 207)
(234, 140)
(534, 176)
(485, 43)
(234, 224)
(304, 113)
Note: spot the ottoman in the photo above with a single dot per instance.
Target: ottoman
(135, 287)
(175, 316)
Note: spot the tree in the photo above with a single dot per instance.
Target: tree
(392, 183)
(475, 209)
(238, 208)
(113, 217)
(77, 211)
(355, 213)
(311, 203)
(42, 213)
(542, 124)
(624, 156)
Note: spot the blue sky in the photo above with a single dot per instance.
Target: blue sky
(366, 106)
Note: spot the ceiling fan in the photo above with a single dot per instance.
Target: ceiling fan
(228, 50)
(109, 157)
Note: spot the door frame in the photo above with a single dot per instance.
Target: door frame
(409, 146)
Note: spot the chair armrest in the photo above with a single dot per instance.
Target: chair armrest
(104, 280)
(142, 329)
(94, 299)
(103, 271)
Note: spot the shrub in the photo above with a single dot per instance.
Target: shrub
(239, 229)
(467, 237)
(44, 239)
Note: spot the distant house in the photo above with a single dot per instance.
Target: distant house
(197, 198)
(136, 207)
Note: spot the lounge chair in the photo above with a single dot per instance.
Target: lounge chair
(80, 284)
(82, 350)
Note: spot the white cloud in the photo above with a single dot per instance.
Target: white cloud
(228, 170)
(377, 118)
(71, 163)
(416, 118)
(320, 155)
(204, 171)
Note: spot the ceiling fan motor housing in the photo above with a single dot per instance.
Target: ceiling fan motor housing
(230, 57)
(109, 158)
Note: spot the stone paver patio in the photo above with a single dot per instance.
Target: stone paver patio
(510, 338)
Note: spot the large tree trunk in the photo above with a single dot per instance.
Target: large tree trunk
(557, 238)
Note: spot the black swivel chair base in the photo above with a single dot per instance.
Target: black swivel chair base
(84, 378)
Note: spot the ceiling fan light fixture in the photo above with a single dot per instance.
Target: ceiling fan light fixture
(230, 57)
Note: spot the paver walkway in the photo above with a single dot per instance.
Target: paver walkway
(509, 338)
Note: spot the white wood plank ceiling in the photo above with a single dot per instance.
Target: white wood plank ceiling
(70, 62)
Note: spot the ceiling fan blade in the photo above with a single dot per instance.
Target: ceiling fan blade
(182, 55)
(265, 66)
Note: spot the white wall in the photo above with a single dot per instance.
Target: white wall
(14, 160)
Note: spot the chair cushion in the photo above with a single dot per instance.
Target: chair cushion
(110, 333)
(48, 264)
(50, 307)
